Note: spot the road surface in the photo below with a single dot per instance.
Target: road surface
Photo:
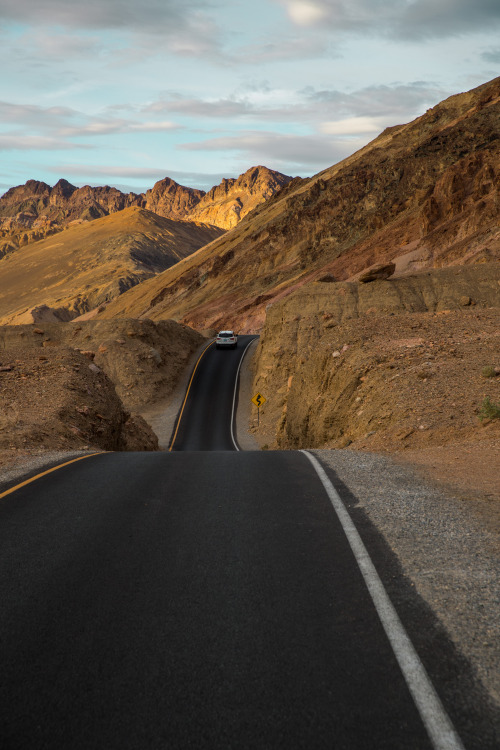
(198, 599)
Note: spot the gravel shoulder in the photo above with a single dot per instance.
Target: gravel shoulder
(449, 553)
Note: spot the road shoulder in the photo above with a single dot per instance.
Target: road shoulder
(448, 554)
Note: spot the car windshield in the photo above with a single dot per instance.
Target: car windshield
(225, 334)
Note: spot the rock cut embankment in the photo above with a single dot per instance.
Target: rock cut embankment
(387, 365)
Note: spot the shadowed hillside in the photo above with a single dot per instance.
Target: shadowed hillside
(89, 264)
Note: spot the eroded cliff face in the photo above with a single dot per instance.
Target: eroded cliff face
(422, 195)
(226, 204)
(387, 365)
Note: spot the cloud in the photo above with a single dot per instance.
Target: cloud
(397, 101)
(201, 108)
(103, 14)
(306, 12)
(66, 123)
(33, 114)
(59, 29)
(381, 105)
(293, 152)
(114, 127)
(410, 19)
(35, 143)
(353, 126)
(491, 55)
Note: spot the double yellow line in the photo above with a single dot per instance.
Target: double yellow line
(187, 392)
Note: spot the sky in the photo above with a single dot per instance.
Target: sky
(124, 93)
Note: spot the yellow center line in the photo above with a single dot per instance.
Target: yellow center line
(187, 393)
(48, 471)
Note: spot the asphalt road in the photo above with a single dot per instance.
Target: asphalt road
(208, 412)
(187, 599)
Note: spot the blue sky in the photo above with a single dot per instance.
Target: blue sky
(124, 93)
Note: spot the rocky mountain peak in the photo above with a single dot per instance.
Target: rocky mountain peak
(168, 198)
(63, 188)
(227, 203)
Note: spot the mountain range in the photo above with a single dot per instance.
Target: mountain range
(420, 196)
(33, 211)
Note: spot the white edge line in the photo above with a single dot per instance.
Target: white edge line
(235, 392)
(437, 723)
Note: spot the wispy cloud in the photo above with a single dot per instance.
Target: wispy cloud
(298, 153)
(398, 100)
(107, 14)
(492, 55)
(33, 122)
(353, 126)
(378, 104)
(35, 143)
(114, 127)
(58, 27)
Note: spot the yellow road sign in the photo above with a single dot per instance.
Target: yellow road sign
(258, 400)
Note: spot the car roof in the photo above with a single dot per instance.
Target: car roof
(223, 332)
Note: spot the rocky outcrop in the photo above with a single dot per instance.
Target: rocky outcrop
(420, 196)
(377, 272)
(142, 360)
(226, 204)
(79, 408)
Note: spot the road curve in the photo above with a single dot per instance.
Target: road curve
(205, 420)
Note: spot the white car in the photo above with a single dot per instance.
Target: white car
(226, 340)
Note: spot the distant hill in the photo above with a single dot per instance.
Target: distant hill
(88, 264)
(421, 196)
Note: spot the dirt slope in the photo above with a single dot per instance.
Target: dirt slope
(89, 264)
(56, 399)
(67, 386)
(424, 195)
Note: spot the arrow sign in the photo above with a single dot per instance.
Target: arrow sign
(258, 400)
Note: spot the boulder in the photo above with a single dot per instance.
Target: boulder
(378, 271)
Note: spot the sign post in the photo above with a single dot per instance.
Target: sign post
(258, 400)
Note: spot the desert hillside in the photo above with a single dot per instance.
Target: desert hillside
(421, 196)
(88, 264)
